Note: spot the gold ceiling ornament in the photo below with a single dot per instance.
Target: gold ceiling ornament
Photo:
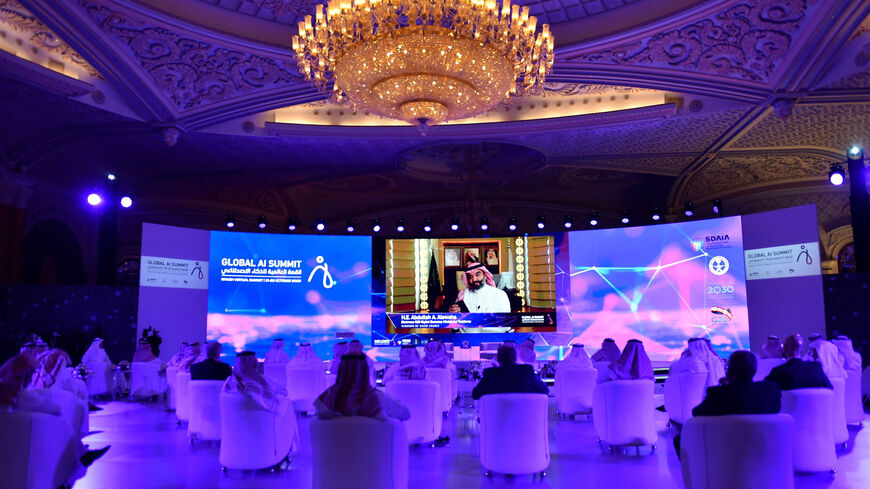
(424, 61)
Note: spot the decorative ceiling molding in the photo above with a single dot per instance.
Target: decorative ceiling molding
(747, 41)
(651, 163)
(17, 16)
(45, 78)
(825, 126)
(189, 72)
(832, 204)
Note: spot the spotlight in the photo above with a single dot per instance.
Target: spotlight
(110, 177)
(376, 226)
(569, 221)
(231, 221)
(593, 219)
(321, 225)
(94, 199)
(625, 217)
(837, 176)
(400, 225)
(717, 207)
(689, 209)
(854, 151)
(427, 225)
(656, 214)
(484, 223)
(454, 224)
(513, 224)
(350, 225)
(261, 221)
(541, 222)
(126, 202)
(291, 224)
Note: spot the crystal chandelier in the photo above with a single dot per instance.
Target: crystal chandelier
(424, 61)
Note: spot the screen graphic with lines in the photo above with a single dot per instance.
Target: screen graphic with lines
(299, 288)
(662, 284)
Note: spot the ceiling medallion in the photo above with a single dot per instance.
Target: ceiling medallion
(424, 61)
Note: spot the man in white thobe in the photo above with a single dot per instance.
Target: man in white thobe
(481, 295)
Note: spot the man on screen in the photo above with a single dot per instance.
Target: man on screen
(480, 294)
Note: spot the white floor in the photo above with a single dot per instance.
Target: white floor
(150, 450)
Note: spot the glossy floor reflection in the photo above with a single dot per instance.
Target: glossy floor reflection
(150, 450)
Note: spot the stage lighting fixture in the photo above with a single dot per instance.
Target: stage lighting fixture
(593, 219)
(541, 222)
(484, 223)
(427, 225)
(376, 226)
(854, 151)
(656, 214)
(126, 202)
(513, 224)
(689, 209)
(291, 224)
(837, 176)
(110, 177)
(231, 221)
(350, 225)
(569, 221)
(321, 225)
(625, 217)
(261, 221)
(94, 199)
(454, 224)
(717, 206)
(400, 225)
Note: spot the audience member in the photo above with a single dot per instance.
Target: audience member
(143, 352)
(850, 359)
(338, 350)
(276, 353)
(796, 373)
(698, 359)
(354, 347)
(353, 394)
(435, 355)
(409, 367)
(633, 363)
(576, 358)
(248, 381)
(212, 368)
(305, 358)
(526, 352)
(608, 352)
(772, 348)
(826, 353)
(508, 377)
(191, 356)
(53, 373)
(176, 359)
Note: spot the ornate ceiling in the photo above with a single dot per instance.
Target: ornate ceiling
(183, 99)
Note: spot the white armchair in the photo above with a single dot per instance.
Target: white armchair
(838, 411)
(103, 380)
(682, 393)
(304, 386)
(422, 398)
(745, 451)
(276, 372)
(182, 397)
(171, 390)
(573, 389)
(146, 380)
(205, 410)
(854, 404)
(814, 428)
(514, 435)
(356, 451)
(623, 412)
(38, 450)
(444, 379)
(253, 437)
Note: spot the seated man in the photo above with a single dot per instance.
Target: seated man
(508, 377)
(211, 368)
(796, 373)
(738, 394)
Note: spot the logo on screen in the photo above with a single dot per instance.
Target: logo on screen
(328, 282)
(718, 265)
(722, 313)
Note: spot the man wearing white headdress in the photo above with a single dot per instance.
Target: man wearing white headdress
(772, 348)
(576, 358)
(305, 358)
(850, 359)
(276, 353)
(98, 360)
(699, 359)
(824, 352)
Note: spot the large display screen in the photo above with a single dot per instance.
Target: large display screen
(662, 284)
(464, 289)
(299, 288)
